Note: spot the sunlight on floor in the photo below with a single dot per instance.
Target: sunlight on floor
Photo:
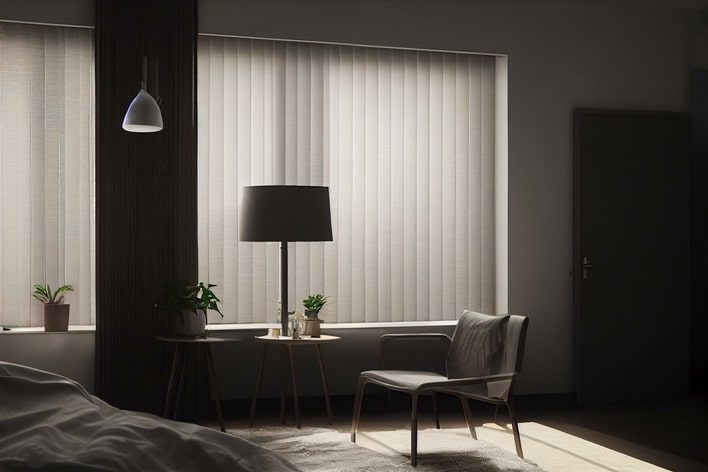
(549, 448)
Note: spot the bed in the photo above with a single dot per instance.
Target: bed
(48, 422)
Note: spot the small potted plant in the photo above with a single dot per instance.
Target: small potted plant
(184, 306)
(313, 304)
(56, 313)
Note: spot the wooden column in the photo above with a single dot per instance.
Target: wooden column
(699, 229)
(146, 190)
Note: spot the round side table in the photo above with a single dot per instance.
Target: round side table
(287, 344)
(179, 368)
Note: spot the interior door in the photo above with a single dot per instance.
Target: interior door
(632, 255)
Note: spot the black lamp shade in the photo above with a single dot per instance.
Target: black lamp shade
(285, 213)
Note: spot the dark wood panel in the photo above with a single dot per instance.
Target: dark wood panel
(145, 191)
(699, 230)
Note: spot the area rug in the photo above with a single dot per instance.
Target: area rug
(320, 450)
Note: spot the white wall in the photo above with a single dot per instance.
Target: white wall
(562, 55)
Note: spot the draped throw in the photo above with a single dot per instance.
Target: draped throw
(46, 169)
(404, 139)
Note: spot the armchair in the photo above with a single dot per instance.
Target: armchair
(483, 359)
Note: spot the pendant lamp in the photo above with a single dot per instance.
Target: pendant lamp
(143, 115)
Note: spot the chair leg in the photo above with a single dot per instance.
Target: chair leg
(515, 427)
(357, 406)
(435, 411)
(468, 415)
(414, 429)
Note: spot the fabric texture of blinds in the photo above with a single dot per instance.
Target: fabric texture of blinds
(46, 169)
(405, 141)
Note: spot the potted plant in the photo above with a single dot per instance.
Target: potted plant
(313, 304)
(56, 313)
(183, 308)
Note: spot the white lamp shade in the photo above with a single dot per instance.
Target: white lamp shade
(143, 115)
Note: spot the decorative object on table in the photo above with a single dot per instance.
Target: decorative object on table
(313, 304)
(56, 313)
(144, 115)
(287, 353)
(279, 320)
(275, 332)
(296, 322)
(183, 308)
(276, 213)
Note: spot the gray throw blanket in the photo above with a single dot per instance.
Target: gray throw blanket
(477, 347)
(50, 423)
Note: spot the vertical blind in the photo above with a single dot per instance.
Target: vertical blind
(46, 169)
(405, 141)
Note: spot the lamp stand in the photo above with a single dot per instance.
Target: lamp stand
(284, 288)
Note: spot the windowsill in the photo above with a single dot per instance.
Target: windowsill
(40, 329)
(379, 324)
(253, 326)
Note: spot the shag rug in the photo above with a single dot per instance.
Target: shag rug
(320, 450)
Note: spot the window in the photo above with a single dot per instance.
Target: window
(46, 169)
(404, 139)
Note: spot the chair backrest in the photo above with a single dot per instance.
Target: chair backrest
(486, 345)
(515, 343)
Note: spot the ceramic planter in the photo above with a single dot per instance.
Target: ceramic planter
(187, 324)
(56, 317)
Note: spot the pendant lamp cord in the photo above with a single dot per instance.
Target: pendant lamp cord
(144, 82)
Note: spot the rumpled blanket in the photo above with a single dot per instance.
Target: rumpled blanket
(48, 422)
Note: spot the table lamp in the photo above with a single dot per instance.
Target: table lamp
(285, 213)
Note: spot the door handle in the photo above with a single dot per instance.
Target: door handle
(587, 265)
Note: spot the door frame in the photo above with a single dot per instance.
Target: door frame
(578, 114)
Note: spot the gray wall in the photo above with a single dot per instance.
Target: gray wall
(56, 12)
(68, 354)
(699, 49)
(562, 55)
(72, 355)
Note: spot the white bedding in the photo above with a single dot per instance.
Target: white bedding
(48, 422)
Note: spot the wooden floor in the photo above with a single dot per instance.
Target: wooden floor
(667, 436)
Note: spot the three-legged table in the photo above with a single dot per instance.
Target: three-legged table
(287, 344)
(177, 376)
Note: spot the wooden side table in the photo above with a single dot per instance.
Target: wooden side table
(287, 344)
(177, 375)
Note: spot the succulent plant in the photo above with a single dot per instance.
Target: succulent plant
(314, 303)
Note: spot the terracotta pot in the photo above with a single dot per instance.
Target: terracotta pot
(56, 317)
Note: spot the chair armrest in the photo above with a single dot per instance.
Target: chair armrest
(389, 338)
(468, 381)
